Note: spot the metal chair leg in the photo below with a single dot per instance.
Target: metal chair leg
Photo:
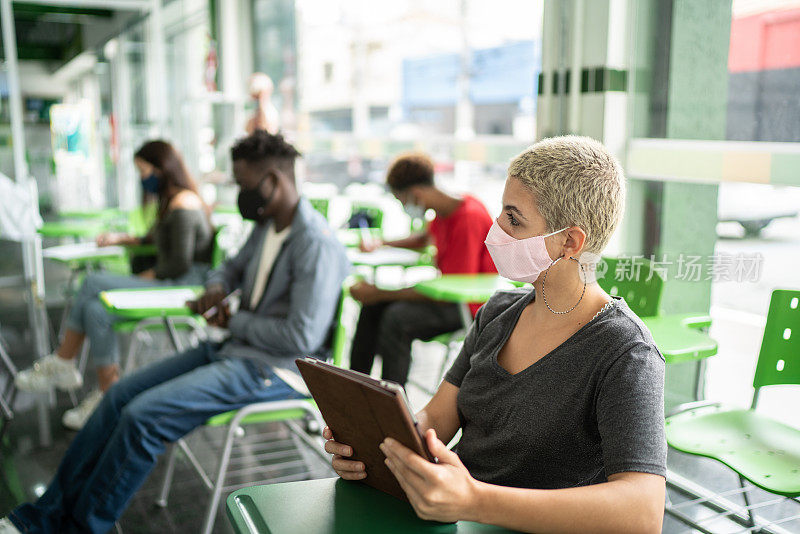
(133, 346)
(211, 514)
(82, 370)
(748, 506)
(167, 484)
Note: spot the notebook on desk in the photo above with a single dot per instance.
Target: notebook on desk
(74, 251)
(384, 256)
(155, 298)
(361, 412)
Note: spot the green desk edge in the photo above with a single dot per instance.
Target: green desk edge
(105, 214)
(70, 229)
(678, 339)
(463, 288)
(227, 209)
(144, 313)
(331, 506)
(88, 258)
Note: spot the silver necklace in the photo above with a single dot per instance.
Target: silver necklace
(606, 306)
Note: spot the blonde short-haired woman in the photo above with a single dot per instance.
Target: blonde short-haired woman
(558, 390)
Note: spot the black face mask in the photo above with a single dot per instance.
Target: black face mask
(252, 203)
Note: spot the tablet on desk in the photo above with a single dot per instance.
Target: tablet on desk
(361, 412)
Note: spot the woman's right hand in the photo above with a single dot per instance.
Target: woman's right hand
(106, 240)
(347, 469)
(111, 238)
(370, 245)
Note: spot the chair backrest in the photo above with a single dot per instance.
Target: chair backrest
(218, 252)
(633, 279)
(372, 214)
(321, 205)
(779, 358)
(141, 218)
(336, 339)
(339, 337)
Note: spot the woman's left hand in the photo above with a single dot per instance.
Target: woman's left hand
(441, 492)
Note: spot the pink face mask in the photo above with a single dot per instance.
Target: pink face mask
(522, 260)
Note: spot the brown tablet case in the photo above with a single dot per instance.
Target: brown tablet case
(362, 412)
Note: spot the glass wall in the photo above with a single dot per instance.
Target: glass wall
(717, 118)
(191, 83)
(454, 78)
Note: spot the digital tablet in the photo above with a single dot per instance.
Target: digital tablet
(361, 412)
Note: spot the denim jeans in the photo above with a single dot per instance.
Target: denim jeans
(113, 454)
(88, 315)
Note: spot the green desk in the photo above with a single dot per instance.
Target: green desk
(80, 258)
(137, 304)
(385, 257)
(678, 337)
(81, 254)
(227, 209)
(102, 214)
(146, 249)
(331, 506)
(463, 289)
(391, 257)
(73, 229)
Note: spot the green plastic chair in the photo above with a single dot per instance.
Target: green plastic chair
(156, 320)
(372, 212)
(321, 205)
(288, 412)
(680, 337)
(141, 218)
(759, 449)
(634, 280)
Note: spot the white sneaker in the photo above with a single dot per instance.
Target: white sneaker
(76, 417)
(48, 372)
(7, 527)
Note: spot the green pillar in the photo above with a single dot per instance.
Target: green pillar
(696, 109)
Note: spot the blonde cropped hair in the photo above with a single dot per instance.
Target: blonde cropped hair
(577, 182)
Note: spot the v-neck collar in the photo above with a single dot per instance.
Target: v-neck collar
(524, 304)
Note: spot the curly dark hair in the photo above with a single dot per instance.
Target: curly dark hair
(261, 146)
(410, 169)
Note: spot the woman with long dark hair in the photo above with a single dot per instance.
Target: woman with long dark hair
(183, 238)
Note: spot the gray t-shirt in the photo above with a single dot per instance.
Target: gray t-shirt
(592, 407)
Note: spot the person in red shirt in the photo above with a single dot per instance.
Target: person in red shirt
(391, 319)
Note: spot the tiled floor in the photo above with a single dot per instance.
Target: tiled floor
(27, 468)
